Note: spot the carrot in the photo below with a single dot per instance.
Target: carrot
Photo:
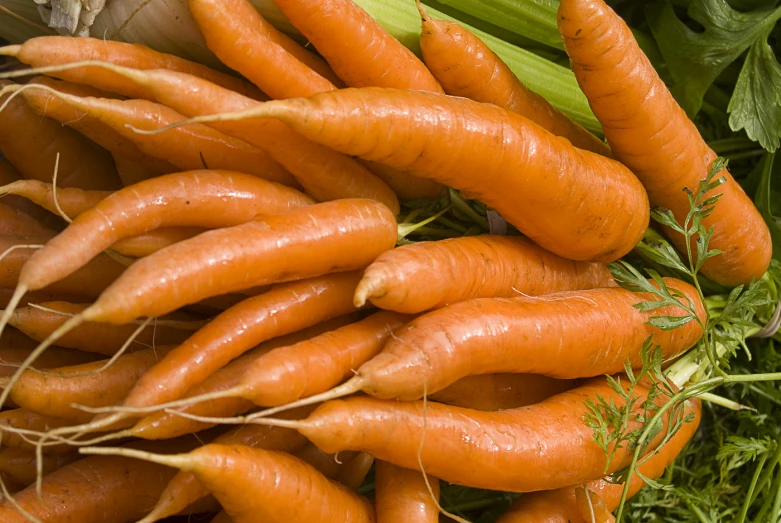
(560, 506)
(36, 297)
(16, 339)
(447, 139)
(484, 266)
(324, 173)
(358, 49)
(500, 391)
(22, 428)
(49, 51)
(9, 174)
(191, 198)
(11, 357)
(401, 495)
(91, 384)
(523, 335)
(496, 450)
(101, 338)
(31, 144)
(284, 488)
(192, 147)
(145, 244)
(354, 472)
(132, 172)
(47, 104)
(20, 465)
(593, 507)
(328, 465)
(16, 222)
(650, 133)
(72, 200)
(241, 39)
(465, 66)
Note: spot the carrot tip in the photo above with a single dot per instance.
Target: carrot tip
(367, 288)
(10, 50)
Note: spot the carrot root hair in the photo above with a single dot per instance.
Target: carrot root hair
(184, 402)
(241, 420)
(179, 461)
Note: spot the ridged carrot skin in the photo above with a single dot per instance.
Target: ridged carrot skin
(594, 331)
(19, 223)
(650, 133)
(496, 450)
(420, 276)
(560, 506)
(401, 495)
(465, 66)
(100, 338)
(324, 173)
(356, 47)
(491, 392)
(31, 144)
(577, 204)
(190, 198)
(237, 34)
(20, 465)
(57, 50)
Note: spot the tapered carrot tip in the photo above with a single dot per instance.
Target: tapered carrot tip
(10, 50)
(422, 10)
(368, 288)
(179, 461)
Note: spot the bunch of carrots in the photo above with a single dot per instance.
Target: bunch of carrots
(210, 304)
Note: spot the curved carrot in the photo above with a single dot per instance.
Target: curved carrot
(358, 49)
(575, 203)
(57, 50)
(8, 175)
(46, 104)
(72, 200)
(650, 133)
(529, 335)
(16, 222)
(402, 495)
(466, 67)
(191, 198)
(145, 244)
(501, 391)
(239, 36)
(560, 506)
(284, 488)
(11, 357)
(324, 173)
(20, 465)
(31, 144)
(100, 338)
(190, 147)
(420, 276)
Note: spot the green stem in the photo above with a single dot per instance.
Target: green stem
(744, 155)
(747, 503)
(776, 487)
(728, 145)
(461, 204)
(767, 473)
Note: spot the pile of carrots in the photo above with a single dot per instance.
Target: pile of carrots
(205, 309)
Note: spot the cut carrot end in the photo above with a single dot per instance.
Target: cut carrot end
(10, 50)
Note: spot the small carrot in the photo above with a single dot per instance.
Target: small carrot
(11, 357)
(484, 266)
(445, 138)
(47, 51)
(465, 66)
(242, 39)
(650, 133)
(402, 495)
(560, 506)
(40, 321)
(31, 144)
(358, 49)
(501, 391)
(20, 465)
(275, 479)
(16, 222)
(191, 147)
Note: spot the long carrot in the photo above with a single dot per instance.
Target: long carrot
(324, 173)
(402, 495)
(275, 479)
(31, 144)
(191, 147)
(420, 276)
(501, 391)
(465, 66)
(16, 222)
(650, 133)
(20, 465)
(358, 49)
(524, 177)
(560, 506)
(48, 51)
(523, 335)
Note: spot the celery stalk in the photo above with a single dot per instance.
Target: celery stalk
(554, 82)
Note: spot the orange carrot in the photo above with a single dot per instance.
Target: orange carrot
(20, 465)
(81, 164)
(560, 506)
(72, 200)
(190, 147)
(484, 266)
(650, 133)
(329, 465)
(11, 357)
(401, 495)
(501, 391)
(15, 339)
(240, 38)
(132, 172)
(9, 174)
(358, 49)
(353, 473)
(602, 217)
(32, 425)
(466, 67)
(16, 222)
(284, 488)
(324, 173)
(145, 244)
(56, 50)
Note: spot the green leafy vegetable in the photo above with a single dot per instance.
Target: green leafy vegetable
(768, 200)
